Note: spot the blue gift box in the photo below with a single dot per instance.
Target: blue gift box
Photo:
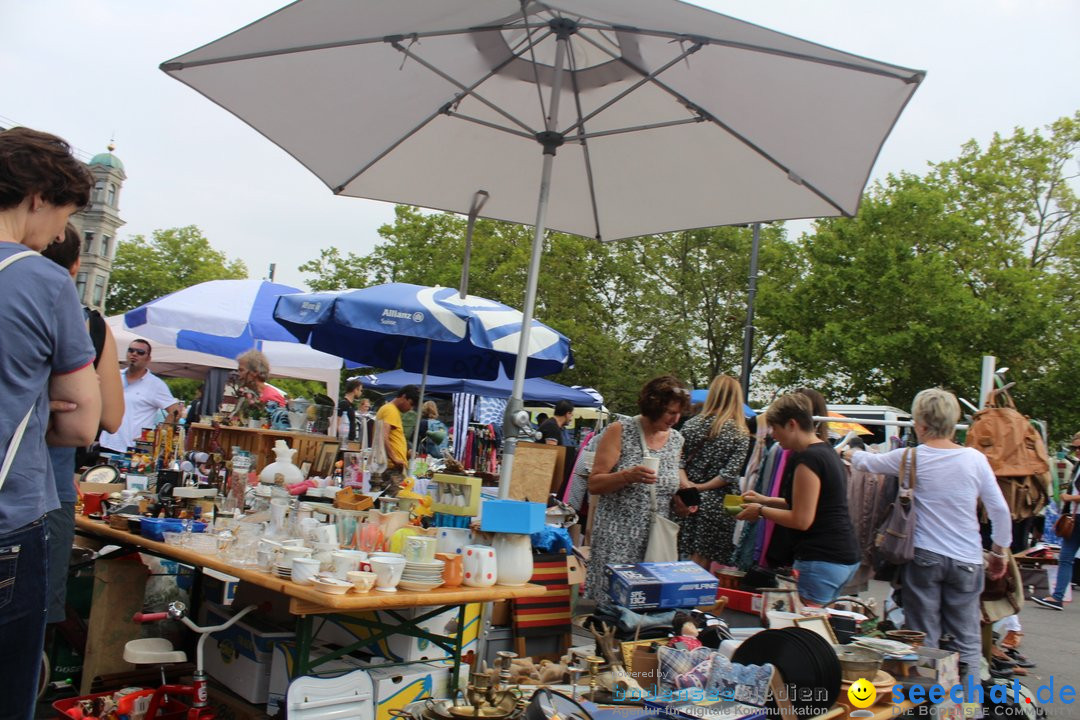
(666, 585)
(511, 516)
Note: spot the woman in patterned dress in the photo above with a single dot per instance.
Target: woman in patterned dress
(621, 524)
(714, 452)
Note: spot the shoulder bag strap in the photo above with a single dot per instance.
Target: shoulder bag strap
(16, 439)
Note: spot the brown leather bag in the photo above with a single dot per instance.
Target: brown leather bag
(1065, 525)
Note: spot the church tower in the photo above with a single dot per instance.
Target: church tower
(97, 224)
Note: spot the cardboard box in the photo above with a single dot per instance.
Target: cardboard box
(340, 630)
(240, 657)
(283, 671)
(119, 588)
(663, 586)
(396, 687)
(939, 666)
(741, 600)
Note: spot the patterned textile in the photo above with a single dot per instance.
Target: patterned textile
(490, 411)
(463, 407)
(621, 523)
(678, 665)
(709, 531)
(742, 683)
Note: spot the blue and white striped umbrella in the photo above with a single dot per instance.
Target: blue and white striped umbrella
(388, 326)
(225, 318)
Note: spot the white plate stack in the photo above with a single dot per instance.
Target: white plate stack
(422, 576)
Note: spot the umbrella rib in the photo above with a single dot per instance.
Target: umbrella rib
(635, 128)
(444, 110)
(686, 102)
(173, 65)
(532, 55)
(585, 150)
(632, 88)
(488, 123)
(907, 75)
(470, 90)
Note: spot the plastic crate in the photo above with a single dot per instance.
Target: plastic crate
(171, 709)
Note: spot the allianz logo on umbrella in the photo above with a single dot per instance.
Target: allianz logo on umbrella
(399, 315)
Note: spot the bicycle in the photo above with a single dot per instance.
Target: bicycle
(157, 651)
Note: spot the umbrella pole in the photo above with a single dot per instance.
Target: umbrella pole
(420, 403)
(550, 141)
(748, 330)
(479, 198)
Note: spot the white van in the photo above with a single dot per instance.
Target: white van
(884, 413)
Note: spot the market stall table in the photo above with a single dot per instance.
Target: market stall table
(308, 603)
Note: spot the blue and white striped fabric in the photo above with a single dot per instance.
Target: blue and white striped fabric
(387, 326)
(225, 318)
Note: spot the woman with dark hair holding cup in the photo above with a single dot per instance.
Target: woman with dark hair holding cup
(630, 457)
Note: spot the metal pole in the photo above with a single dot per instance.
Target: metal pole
(986, 381)
(273, 267)
(748, 330)
(419, 406)
(516, 401)
(479, 198)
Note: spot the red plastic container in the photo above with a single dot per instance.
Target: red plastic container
(171, 710)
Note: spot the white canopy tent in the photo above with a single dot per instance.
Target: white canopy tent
(291, 360)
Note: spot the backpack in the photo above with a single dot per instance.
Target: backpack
(1016, 453)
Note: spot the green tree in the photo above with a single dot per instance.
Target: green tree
(978, 256)
(171, 260)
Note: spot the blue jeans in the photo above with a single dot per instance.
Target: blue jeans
(23, 579)
(1066, 558)
(820, 581)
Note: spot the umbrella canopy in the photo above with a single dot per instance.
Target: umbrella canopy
(700, 395)
(668, 116)
(388, 325)
(219, 317)
(664, 116)
(845, 425)
(536, 389)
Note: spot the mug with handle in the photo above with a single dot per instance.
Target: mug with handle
(479, 565)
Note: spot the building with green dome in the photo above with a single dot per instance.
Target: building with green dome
(97, 224)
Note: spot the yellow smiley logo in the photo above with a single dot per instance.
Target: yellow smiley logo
(862, 694)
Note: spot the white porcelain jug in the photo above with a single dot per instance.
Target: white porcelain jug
(283, 466)
(513, 558)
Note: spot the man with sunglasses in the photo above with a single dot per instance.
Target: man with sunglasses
(144, 395)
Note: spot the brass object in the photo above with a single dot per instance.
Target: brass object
(594, 669)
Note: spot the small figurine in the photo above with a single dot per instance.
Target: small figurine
(685, 632)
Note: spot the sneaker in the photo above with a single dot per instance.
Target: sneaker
(1018, 659)
(1049, 602)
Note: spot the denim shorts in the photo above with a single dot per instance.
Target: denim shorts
(821, 581)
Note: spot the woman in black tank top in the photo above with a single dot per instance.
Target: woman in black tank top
(815, 505)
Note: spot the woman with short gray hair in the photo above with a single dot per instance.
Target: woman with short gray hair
(942, 584)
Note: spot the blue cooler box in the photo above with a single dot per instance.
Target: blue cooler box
(661, 586)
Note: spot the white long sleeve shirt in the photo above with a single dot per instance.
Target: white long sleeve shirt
(949, 483)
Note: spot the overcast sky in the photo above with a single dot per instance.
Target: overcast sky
(87, 70)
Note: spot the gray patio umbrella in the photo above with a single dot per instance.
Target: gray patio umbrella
(663, 116)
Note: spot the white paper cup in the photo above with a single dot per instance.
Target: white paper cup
(652, 462)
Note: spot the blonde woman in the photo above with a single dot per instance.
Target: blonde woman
(716, 442)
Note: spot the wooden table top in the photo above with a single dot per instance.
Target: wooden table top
(304, 599)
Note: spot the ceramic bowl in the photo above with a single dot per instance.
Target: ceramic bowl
(331, 585)
(362, 580)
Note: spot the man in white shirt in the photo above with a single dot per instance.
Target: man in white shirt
(144, 394)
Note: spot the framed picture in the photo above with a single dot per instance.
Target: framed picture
(818, 624)
(305, 468)
(352, 467)
(783, 600)
(324, 461)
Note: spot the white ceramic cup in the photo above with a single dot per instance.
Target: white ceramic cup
(480, 566)
(419, 549)
(361, 580)
(325, 533)
(346, 561)
(452, 540)
(308, 527)
(304, 569)
(652, 462)
(292, 553)
(387, 572)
